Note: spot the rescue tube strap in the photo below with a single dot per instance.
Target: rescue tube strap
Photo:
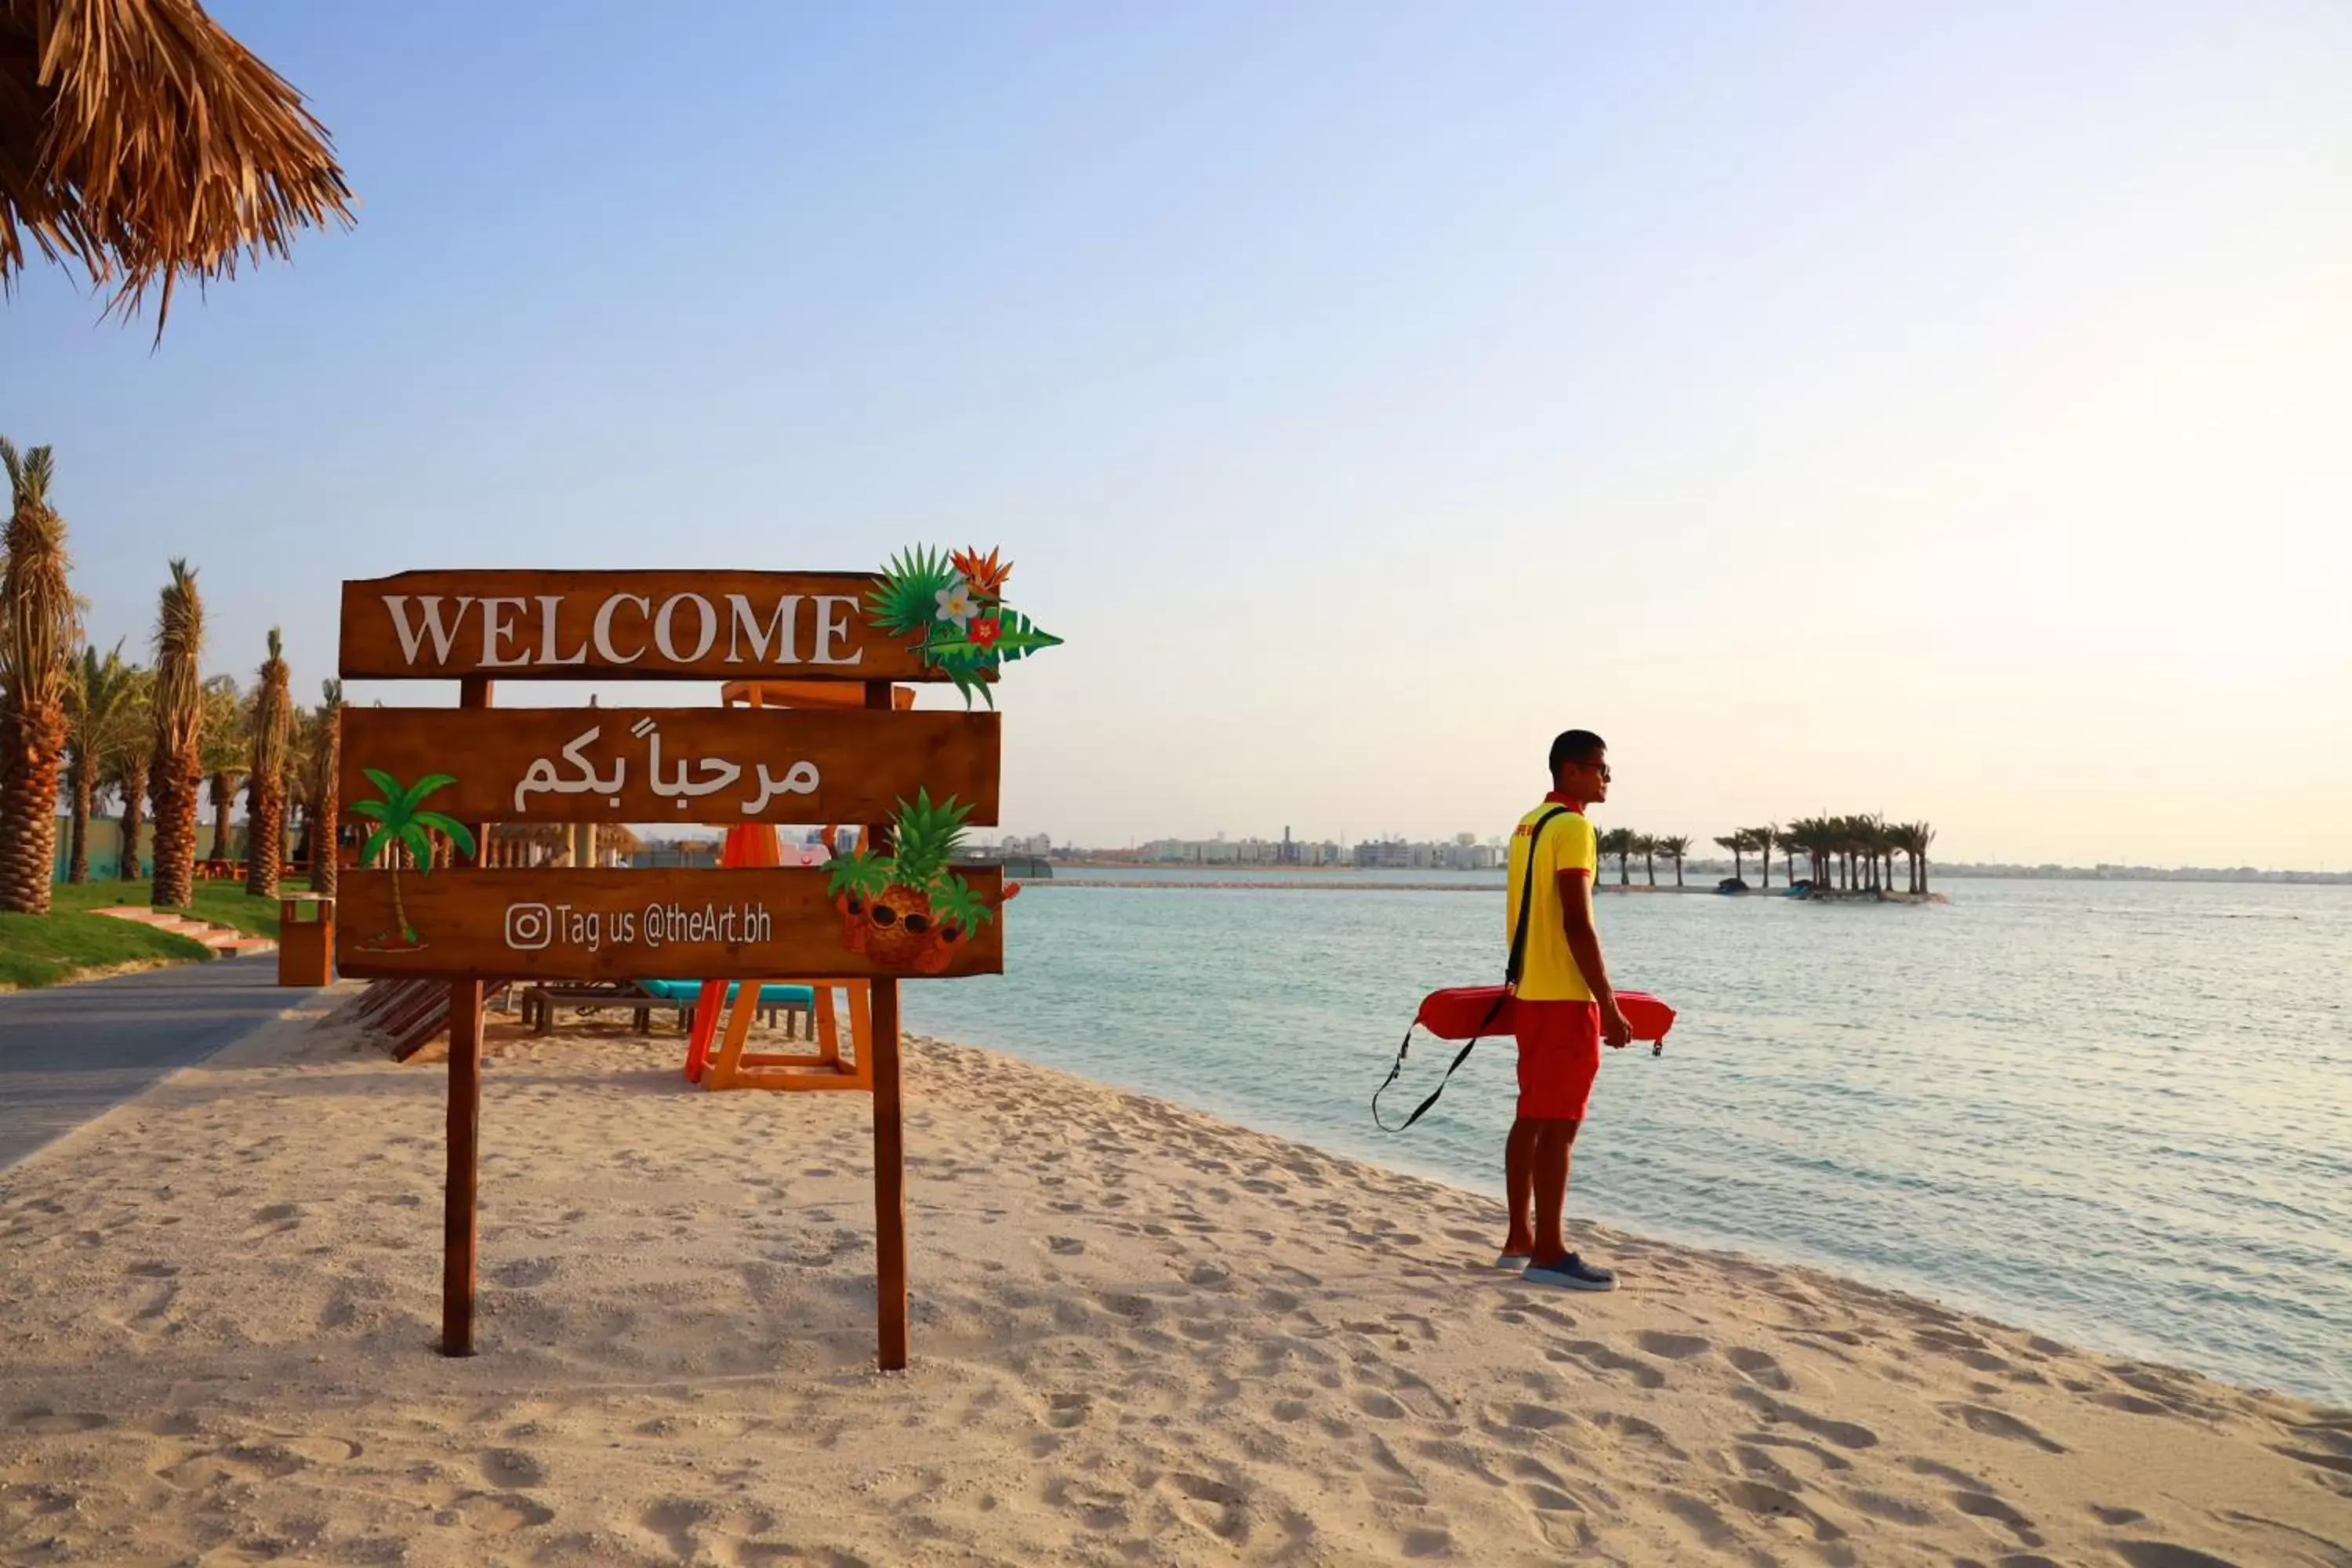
(1512, 968)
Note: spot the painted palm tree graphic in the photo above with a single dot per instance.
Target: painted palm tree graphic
(400, 823)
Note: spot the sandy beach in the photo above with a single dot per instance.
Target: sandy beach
(1141, 1335)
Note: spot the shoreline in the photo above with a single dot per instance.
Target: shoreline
(1138, 1332)
(1283, 885)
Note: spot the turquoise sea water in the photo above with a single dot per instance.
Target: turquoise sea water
(2117, 1112)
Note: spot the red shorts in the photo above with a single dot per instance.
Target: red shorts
(1560, 1056)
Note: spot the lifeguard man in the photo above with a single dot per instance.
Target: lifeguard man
(1563, 1009)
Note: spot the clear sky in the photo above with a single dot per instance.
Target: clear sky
(1938, 410)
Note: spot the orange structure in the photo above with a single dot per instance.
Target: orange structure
(732, 1065)
(306, 948)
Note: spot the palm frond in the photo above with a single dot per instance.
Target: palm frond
(458, 833)
(143, 144)
(905, 601)
(424, 787)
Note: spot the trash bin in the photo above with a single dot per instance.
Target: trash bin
(306, 942)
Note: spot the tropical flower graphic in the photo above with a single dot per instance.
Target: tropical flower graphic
(985, 572)
(950, 608)
(955, 603)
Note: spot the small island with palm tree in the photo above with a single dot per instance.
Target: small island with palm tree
(1846, 858)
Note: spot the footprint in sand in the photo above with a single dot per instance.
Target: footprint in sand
(43, 1422)
(1672, 1347)
(2000, 1423)
(513, 1467)
(1826, 1459)
(1844, 1434)
(501, 1513)
(2164, 1554)
(1985, 1504)
(275, 1220)
(1773, 1503)
(1066, 1410)
(1220, 1508)
(1892, 1509)
(1701, 1519)
(1601, 1358)
(2339, 1463)
(1064, 1245)
(1526, 1418)
(1759, 1368)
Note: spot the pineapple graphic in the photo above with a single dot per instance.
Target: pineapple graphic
(906, 911)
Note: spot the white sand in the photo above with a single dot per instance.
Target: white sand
(1141, 1336)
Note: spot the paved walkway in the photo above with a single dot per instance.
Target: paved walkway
(70, 1052)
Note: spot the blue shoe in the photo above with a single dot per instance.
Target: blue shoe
(1570, 1273)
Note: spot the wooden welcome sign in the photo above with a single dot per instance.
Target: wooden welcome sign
(896, 908)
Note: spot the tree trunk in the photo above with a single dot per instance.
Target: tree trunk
(78, 852)
(134, 802)
(31, 751)
(1738, 867)
(178, 781)
(1923, 875)
(326, 860)
(265, 835)
(1678, 870)
(1764, 863)
(223, 795)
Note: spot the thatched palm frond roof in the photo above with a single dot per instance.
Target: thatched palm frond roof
(141, 142)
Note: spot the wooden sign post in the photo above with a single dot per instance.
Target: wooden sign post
(892, 910)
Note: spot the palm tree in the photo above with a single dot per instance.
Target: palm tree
(1675, 849)
(131, 762)
(407, 832)
(1645, 845)
(99, 702)
(1761, 840)
(273, 734)
(39, 624)
(1737, 844)
(179, 709)
(321, 767)
(227, 752)
(1618, 841)
(1912, 838)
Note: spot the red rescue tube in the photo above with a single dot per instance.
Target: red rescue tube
(1469, 1012)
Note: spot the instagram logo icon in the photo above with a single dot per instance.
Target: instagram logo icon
(529, 927)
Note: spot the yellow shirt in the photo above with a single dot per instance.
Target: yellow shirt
(1550, 974)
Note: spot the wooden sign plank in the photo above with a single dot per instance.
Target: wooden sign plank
(654, 623)
(762, 923)
(687, 765)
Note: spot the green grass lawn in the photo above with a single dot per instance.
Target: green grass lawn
(41, 949)
(223, 903)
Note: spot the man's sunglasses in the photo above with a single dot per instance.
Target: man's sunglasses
(1600, 768)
